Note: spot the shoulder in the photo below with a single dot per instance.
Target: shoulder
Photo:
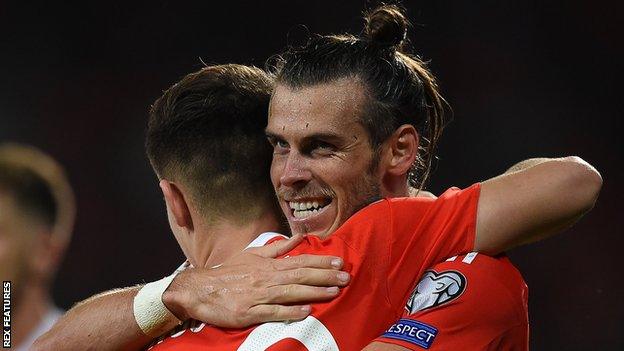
(477, 284)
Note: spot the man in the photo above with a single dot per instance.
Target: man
(36, 221)
(194, 191)
(206, 142)
(324, 148)
(204, 104)
(343, 123)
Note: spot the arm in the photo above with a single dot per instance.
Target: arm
(533, 200)
(251, 288)
(102, 322)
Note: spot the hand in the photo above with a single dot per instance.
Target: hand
(255, 287)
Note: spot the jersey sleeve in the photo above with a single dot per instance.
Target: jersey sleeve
(426, 231)
(472, 302)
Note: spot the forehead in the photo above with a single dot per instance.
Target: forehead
(335, 107)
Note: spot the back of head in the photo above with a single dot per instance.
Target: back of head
(400, 88)
(207, 132)
(39, 187)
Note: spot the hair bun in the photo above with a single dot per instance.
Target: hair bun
(386, 25)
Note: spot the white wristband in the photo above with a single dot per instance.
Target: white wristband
(150, 312)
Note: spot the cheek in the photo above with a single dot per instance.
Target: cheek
(353, 171)
(340, 177)
(276, 170)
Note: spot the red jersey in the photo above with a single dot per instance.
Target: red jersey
(471, 302)
(386, 246)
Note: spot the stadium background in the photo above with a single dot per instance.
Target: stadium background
(525, 78)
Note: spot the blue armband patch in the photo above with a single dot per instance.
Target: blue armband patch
(413, 332)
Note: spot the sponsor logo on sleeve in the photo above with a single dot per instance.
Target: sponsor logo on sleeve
(414, 332)
(435, 289)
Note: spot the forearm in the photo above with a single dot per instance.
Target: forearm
(102, 322)
(522, 165)
(534, 199)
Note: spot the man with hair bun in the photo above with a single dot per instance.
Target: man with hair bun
(37, 213)
(353, 122)
(346, 107)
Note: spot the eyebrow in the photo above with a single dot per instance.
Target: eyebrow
(271, 135)
(331, 137)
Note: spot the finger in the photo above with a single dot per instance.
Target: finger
(311, 276)
(277, 313)
(279, 247)
(285, 294)
(309, 261)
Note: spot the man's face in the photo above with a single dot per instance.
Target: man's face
(322, 161)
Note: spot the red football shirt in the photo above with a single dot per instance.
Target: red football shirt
(386, 246)
(471, 302)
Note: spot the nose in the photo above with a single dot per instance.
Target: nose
(296, 172)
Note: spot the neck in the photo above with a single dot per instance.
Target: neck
(224, 239)
(395, 187)
(29, 310)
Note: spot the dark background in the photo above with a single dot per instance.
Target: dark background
(525, 79)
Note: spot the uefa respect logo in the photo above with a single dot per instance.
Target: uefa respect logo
(6, 314)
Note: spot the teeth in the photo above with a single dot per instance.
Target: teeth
(305, 209)
(304, 213)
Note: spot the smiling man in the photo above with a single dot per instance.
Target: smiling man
(347, 120)
(323, 169)
(207, 145)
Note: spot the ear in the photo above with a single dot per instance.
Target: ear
(176, 204)
(403, 150)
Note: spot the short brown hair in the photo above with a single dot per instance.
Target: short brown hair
(207, 132)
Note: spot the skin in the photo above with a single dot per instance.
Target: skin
(321, 153)
(196, 237)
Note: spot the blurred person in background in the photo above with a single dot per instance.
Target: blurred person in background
(37, 212)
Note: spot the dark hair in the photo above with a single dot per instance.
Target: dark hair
(31, 193)
(207, 132)
(401, 88)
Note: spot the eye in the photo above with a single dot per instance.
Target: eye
(322, 147)
(279, 145)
